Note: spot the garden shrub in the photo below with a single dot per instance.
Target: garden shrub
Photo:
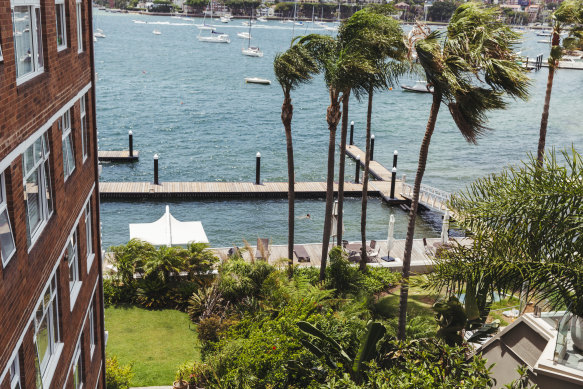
(340, 275)
(117, 376)
(116, 293)
(239, 279)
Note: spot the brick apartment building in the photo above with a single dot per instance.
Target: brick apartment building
(51, 316)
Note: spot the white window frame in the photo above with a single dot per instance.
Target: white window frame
(67, 140)
(37, 44)
(4, 208)
(84, 127)
(79, 12)
(15, 382)
(42, 168)
(77, 366)
(92, 328)
(89, 235)
(63, 12)
(71, 256)
(49, 301)
(1, 57)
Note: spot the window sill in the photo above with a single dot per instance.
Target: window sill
(62, 48)
(27, 77)
(90, 259)
(36, 235)
(7, 260)
(52, 366)
(74, 293)
(92, 347)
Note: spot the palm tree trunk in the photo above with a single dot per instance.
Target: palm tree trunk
(287, 110)
(342, 164)
(413, 213)
(363, 256)
(545, 118)
(332, 117)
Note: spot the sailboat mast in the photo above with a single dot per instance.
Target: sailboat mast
(250, 20)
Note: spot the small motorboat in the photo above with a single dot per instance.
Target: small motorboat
(244, 35)
(419, 87)
(99, 34)
(157, 32)
(257, 80)
(261, 19)
(225, 19)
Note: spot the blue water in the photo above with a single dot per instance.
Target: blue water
(186, 101)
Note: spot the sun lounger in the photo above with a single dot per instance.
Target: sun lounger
(262, 245)
(301, 253)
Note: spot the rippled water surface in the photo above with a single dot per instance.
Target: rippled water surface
(187, 101)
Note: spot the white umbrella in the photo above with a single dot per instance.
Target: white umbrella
(390, 239)
(445, 228)
(334, 221)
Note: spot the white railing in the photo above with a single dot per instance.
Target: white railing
(428, 196)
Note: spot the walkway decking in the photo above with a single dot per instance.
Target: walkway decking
(218, 190)
(118, 156)
(420, 262)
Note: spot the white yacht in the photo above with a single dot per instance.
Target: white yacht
(261, 19)
(244, 35)
(252, 52)
(213, 36)
(157, 32)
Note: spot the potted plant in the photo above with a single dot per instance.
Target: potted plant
(181, 374)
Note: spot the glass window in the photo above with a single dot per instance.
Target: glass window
(79, 26)
(68, 147)
(27, 41)
(84, 127)
(6, 238)
(37, 187)
(92, 326)
(78, 367)
(15, 373)
(72, 257)
(61, 24)
(88, 232)
(46, 326)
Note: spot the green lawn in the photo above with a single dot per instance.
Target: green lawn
(155, 341)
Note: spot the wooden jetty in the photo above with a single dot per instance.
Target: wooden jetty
(231, 190)
(118, 156)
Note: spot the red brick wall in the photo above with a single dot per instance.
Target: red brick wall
(23, 110)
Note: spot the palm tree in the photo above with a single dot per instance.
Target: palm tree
(368, 30)
(569, 12)
(292, 68)
(470, 70)
(379, 38)
(342, 68)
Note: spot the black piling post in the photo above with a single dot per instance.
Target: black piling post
(156, 170)
(357, 174)
(257, 168)
(395, 155)
(131, 143)
(351, 133)
(393, 179)
(372, 147)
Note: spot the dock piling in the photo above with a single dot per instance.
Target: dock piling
(156, 170)
(395, 155)
(372, 147)
(393, 179)
(357, 174)
(351, 133)
(404, 178)
(257, 168)
(131, 143)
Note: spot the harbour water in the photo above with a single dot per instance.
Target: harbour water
(186, 101)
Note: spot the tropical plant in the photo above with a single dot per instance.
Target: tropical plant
(527, 225)
(342, 68)
(569, 12)
(292, 68)
(470, 71)
(380, 39)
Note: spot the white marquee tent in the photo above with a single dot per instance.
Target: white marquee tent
(168, 231)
